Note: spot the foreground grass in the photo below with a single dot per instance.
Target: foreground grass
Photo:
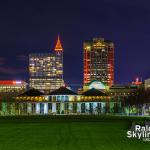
(68, 133)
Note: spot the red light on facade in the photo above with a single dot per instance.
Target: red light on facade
(86, 67)
(137, 81)
(111, 68)
(11, 82)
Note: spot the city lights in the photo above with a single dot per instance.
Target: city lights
(47, 93)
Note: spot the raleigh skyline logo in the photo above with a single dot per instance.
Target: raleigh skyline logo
(140, 132)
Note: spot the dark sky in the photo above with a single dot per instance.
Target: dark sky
(32, 26)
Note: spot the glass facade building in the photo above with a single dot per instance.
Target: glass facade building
(46, 69)
(99, 61)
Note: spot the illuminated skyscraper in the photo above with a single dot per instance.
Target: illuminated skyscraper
(46, 69)
(99, 61)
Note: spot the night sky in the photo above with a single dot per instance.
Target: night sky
(32, 26)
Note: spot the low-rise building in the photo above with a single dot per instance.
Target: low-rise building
(11, 88)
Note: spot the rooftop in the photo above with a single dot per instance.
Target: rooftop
(62, 91)
(32, 92)
(94, 92)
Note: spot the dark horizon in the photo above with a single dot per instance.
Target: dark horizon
(32, 27)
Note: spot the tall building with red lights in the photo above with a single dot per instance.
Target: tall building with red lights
(46, 69)
(99, 61)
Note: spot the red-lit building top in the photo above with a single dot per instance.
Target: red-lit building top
(58, 46)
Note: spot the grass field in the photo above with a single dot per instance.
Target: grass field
(68, 133)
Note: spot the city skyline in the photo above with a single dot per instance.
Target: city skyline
(23, 34)
(74, 74)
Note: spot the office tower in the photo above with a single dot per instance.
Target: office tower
(99, 61)
(46, 69)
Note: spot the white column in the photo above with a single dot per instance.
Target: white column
(54, 107)
(62, 107)
(95, 107)
(87, 107)
(78, 107)
(29, 108)
(37, 108)
(45, 108)
(70, 107)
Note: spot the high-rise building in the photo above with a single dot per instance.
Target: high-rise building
(99, 61)
(46, 69)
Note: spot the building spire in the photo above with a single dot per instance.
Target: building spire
(58, 46)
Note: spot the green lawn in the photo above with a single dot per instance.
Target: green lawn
(63, 133)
